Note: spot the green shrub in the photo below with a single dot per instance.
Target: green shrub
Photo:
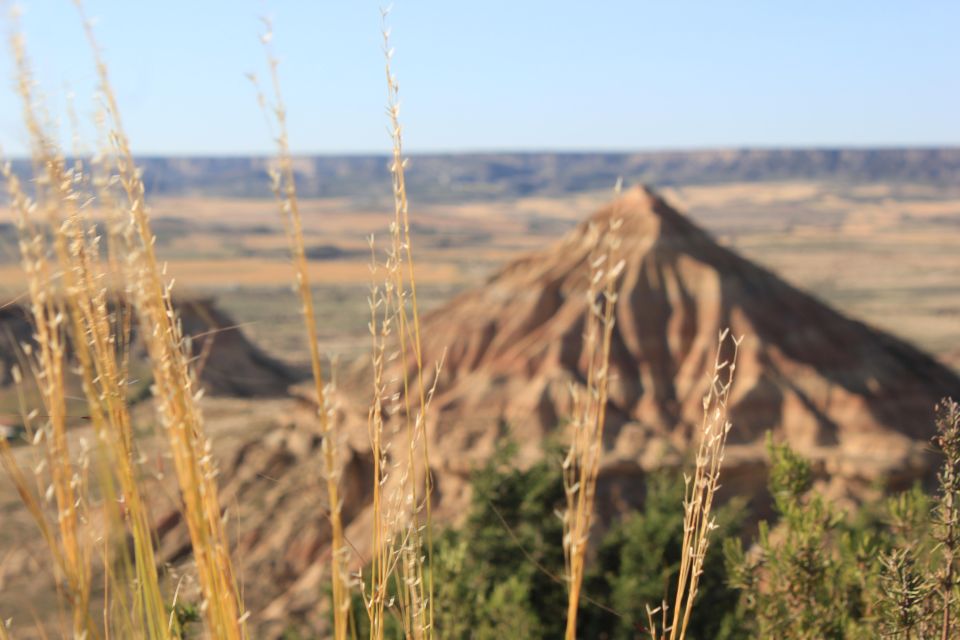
(888, 570)
(499, 574)
(637, 564)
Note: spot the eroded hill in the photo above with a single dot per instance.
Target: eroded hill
(854, 399)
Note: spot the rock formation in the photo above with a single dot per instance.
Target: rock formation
(227, 363)
(857, 401)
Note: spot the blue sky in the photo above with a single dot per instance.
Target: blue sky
(512, 75)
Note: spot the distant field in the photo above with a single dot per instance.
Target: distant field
(889, 255)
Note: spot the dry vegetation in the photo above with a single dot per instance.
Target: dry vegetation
(88, 498)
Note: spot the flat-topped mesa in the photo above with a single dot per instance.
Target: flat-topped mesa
(858, 400)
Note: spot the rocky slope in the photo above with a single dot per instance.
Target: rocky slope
(227, 363)
(856, 400)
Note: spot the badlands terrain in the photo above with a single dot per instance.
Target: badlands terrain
(847, 293)
(886, 254)
(856, 401)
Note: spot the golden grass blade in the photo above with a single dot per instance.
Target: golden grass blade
(419, 585)
(67, 484)
(284, 189)
(174, 382)
(582, 464)
(701, 489)
(88, 320)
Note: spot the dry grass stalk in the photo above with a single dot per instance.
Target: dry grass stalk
(402, 518)
(387, 537)
(582, 463)
(104, 358)
(72, 543)
(284, 189)
(174, 384)
(99, 339)
(382, 560)
(417, 583)
(99, 343)
(702, 487)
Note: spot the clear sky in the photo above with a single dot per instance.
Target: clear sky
(512, 74)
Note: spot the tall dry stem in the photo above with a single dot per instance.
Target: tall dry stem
(700, 490)
(386, 509)
(383, 557)
(417, 583)
(582, 463)
(49, 362)
(174, 384)
(284, 189)
(100, 349)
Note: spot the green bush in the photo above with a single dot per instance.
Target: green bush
(885, 570)
(500, 574)
(637, 564)
(888, 570)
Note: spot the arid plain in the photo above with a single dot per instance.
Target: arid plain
(886, 255)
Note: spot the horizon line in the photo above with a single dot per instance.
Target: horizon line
(954, 146)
